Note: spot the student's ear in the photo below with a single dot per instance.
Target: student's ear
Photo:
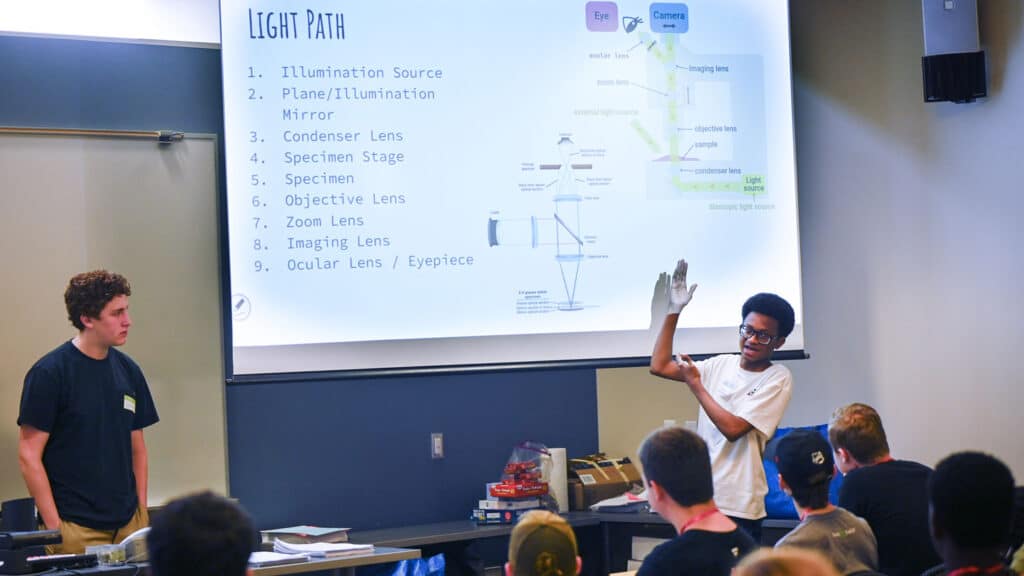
(654, 491)
(579, 565)
(85, 320)
(845, 462)
(778, 343)
(508, 569)
(248, 572)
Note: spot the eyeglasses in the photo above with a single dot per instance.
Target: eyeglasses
(760, 336)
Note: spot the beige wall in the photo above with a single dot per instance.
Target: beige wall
(150, 213)
(631, 403)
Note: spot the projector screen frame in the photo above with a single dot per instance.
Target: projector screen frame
(399, 370)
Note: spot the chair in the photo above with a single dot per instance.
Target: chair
(18, 515)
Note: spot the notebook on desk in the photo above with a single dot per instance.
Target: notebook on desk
(323, 549)
(305, 534)
(264, 559)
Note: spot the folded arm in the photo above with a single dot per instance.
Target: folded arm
(730, 425)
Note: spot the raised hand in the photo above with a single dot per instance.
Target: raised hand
(678, 295)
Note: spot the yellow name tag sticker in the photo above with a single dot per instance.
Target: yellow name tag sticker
(129, 403)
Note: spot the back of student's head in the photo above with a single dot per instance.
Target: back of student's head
(971, 499)
(678, 461)
(857, 428)
(785, 561)
(200, 535)
(542, 543)
(805, 462)
(771, 305)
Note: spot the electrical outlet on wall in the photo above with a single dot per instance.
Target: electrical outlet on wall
(437, 445)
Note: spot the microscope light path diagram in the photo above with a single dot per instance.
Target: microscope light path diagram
(709, 138)
(562, 231)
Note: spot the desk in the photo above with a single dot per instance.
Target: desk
(604, 537)
(617, 530)
(341, 564)
(586, 525)
(441, 532)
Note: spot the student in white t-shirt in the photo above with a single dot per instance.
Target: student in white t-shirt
(742, 397)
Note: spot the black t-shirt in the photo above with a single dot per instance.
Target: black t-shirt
(892, 496)
(89, 407)
(698, 553)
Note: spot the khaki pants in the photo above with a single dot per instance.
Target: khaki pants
(76, 537)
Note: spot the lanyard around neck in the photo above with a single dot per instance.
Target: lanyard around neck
(697, 518)
(975, 570)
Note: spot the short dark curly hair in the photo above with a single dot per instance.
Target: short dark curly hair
(87, 293)
(201, 534)
(771, 305)
(971, 497)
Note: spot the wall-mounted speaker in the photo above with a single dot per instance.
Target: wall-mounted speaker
(953, 65)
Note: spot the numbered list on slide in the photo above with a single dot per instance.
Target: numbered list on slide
(319, 161)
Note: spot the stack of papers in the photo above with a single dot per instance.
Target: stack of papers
(322, 549)
(627, 502)
(305, 534)
(259, 559)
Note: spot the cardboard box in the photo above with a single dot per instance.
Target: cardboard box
(595, 478)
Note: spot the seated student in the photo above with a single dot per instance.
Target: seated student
(200, 535)
(806, 467)
(677, 471)
(890, 494)
(542, 544)
(785, 562)
(970, 496)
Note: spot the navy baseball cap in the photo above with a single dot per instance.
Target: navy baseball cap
(804, 458)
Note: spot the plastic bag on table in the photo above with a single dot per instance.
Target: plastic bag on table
(433, 566)
(527, 462)
(526, 473)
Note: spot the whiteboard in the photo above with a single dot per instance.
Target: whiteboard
(148, 211)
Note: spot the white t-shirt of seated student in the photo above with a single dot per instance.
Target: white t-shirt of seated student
(760, 398)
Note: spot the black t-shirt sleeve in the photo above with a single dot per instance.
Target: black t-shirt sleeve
(40, 398)
(145, 409)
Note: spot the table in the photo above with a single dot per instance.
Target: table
(441, 532)
(604, 537)
(586, 525)
(341, 564)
